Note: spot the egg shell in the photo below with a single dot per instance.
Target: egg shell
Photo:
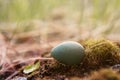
(68, 52)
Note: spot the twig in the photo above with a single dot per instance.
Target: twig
(11, 76)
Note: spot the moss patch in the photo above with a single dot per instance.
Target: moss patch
(101, 53)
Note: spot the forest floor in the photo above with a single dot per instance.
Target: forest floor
(28, 48)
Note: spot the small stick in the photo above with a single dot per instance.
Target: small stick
(10, 77)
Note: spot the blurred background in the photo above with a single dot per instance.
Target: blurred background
(60, 19)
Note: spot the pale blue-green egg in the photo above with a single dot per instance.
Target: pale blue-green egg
(68, 52)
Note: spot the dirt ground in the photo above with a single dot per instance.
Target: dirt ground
(20, 55)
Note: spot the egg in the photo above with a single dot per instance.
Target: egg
(69, 52)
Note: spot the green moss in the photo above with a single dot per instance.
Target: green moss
(98, 54)
(101, 53)
(105, 74)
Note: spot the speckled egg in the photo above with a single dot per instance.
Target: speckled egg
(68, 52)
